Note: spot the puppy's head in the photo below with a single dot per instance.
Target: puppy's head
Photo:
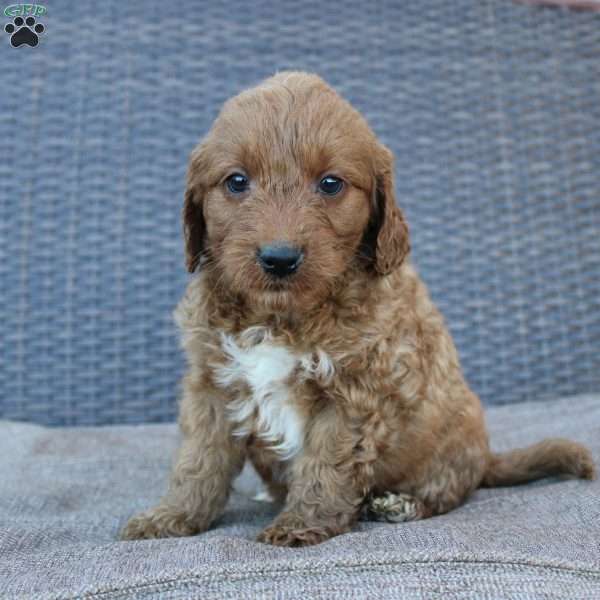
(288, 190)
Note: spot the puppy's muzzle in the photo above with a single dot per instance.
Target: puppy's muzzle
(279, 259)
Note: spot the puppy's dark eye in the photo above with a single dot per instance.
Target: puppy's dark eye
(237, 183)
(330, 185)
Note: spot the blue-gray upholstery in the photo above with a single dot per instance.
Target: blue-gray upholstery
(492, 110)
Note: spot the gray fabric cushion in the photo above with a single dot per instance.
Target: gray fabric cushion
(65, 493)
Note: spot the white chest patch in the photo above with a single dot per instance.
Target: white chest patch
(266, 367)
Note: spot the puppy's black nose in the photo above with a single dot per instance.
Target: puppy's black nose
(280, 259)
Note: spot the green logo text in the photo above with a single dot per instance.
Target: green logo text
(25, 10)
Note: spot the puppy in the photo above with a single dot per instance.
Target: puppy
(314, 349)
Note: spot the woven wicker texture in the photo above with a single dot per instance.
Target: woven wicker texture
(492, 109)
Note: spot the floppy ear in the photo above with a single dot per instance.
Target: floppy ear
(194, 227)
(388, 231)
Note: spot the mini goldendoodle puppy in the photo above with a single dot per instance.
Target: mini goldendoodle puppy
(314, 349)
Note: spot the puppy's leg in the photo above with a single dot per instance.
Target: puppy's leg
(208, 460)
(324, 497)
(321, 503)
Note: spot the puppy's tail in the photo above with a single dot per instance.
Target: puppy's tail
(550, 457)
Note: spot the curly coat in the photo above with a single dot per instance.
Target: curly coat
(341, 383)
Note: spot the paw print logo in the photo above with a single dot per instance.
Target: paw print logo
(24, 31)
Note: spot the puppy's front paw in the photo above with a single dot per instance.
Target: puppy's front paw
(159, 522)
(292, 531)
(282, 535)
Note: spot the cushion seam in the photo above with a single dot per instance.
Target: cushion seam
(240, 576)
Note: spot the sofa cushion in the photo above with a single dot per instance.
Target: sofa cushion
(65, 494)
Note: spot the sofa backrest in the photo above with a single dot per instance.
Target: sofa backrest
(492, 110)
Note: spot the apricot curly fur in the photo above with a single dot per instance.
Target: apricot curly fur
(386, 409)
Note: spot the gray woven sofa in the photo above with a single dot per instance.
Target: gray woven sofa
(493, 111)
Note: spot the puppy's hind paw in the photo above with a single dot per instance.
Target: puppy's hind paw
(393, 508)
(159, 522)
